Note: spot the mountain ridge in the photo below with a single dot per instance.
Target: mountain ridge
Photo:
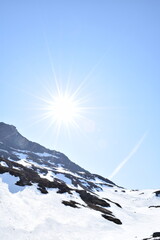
(10, 136)
(32, 171)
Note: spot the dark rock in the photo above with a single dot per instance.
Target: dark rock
(154, 206)
(89, 198)
(117, 204)
(42, 189)
(157, 193)
(28, 176)
(71, 204)
(105, 180)
(112, 219)
(100, 209)
(156, 234)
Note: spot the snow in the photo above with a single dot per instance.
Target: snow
(63, 170)
(81, 172)
(99, 181)
(62, 177)
(46, 155)
(31, 215)
(84, 183)
(16, 168)
(50, 176)
(37, 164)
(10, 181)
(3, 164)
(23, 154)
(20, 155)
(24, 163)
(2, 150)
(28, 214)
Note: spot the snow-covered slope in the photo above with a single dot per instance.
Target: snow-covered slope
(43, 195)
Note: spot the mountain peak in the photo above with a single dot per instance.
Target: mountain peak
(6, 129)
(10, 136)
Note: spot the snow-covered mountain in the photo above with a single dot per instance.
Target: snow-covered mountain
(44, 195)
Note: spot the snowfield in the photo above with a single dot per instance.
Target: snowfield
(30, 215)
(45, 196)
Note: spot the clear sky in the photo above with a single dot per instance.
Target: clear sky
(105, 53)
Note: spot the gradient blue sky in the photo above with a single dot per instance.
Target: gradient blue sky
(111, 50)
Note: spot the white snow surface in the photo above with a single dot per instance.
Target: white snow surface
(99, 181)
(63, 170)
(63, 178)
(46, 155)
(30, 215)
(20, 155)
(50, 176)
(25, 163)
(2, 150)
(3, 164)
(26, 214)
(11, 180)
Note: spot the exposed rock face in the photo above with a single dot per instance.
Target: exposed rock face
(156, 234)
(11, 137)
(157, 193)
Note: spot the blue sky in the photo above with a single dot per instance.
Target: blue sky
(110, 51)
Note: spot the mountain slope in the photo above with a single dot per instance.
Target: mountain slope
(14, 147)
(43, 195)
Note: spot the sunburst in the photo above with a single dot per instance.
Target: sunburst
(65, 110)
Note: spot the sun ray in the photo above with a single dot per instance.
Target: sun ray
(63, 109)
(52, 64)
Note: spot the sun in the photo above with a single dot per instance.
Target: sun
(64, 109)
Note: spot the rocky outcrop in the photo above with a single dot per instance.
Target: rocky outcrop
(157, 193)
(155, 236)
